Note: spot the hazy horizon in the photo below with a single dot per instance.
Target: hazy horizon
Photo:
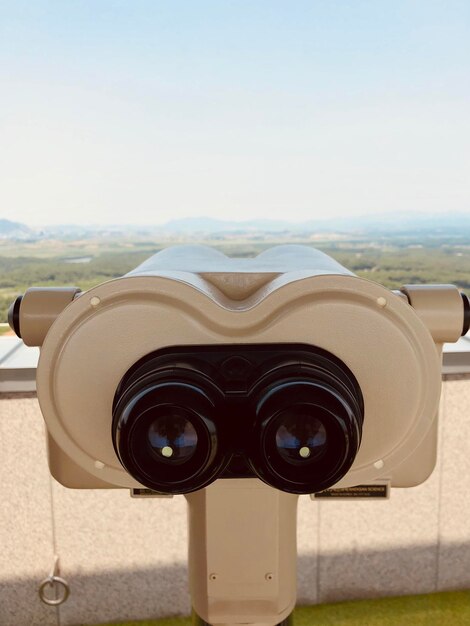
(348, 220)
(256, 218)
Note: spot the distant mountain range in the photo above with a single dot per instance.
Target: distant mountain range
(389, 223)
(13, 230)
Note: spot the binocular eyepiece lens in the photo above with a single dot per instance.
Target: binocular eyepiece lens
(164, 431)
(308, 425)
(172, 438)
(291, 416)
(301, 437)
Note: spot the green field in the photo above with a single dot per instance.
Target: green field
(440, 609)
(389, 262)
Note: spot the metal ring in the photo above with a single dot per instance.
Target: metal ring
(51, 581)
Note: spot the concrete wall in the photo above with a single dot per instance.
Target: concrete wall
(126, 558)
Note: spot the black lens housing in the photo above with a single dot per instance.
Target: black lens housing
(236, 398)
(147, 396)
(334, 406)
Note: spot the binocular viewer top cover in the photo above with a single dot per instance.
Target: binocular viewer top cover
(196, 366)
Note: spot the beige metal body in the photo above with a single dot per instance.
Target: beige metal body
(242, 530)
(379, 336)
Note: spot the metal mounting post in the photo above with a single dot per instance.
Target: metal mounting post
(242, 553)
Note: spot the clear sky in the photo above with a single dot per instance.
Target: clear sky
(143, 111)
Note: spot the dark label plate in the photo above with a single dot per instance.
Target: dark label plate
(375, 490)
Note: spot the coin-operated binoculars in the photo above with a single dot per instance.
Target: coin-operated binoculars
(240, 383)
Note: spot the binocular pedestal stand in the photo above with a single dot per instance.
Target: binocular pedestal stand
(242, 553)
